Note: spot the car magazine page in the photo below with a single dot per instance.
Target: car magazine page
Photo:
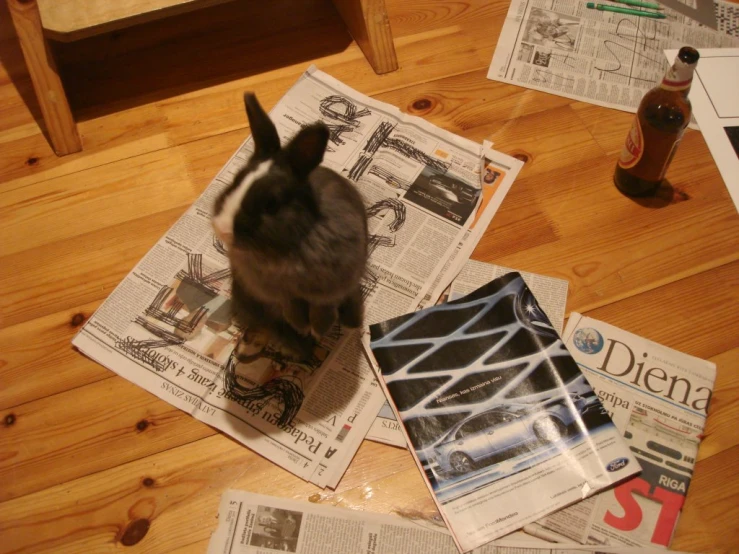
(658, 399)
(551, 293)
(502, 423)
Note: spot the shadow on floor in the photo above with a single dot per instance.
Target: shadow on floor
(176, 55)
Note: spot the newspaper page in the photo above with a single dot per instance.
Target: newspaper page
(549, 291)
(502, 424)
(604, 58)
(250, 523)
(167, 327)
(658, 399)
(727, 18)
(498, 171)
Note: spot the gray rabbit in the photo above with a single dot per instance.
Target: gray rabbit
(296, 235)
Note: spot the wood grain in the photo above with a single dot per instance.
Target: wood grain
(45, 77)
(133, 425)
(714, 510)
(160, 116)
(36, 359)
(69, 20)
(368, 23)
(180, 497)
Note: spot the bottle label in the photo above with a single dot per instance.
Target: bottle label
(678, 77)
(634, 147)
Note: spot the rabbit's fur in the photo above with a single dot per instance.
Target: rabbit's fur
(296, 235)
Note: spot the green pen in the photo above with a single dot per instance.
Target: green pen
(649, 5)
(639, 13)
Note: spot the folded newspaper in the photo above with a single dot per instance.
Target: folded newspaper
(503, 424)
(551, 293)
(601, 57)
(658, 399)
(251, 523)
(497, 173)
(167, 326)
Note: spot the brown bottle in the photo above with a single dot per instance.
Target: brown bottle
(660, 122)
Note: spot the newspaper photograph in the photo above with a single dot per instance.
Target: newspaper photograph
(502, 424)
(601, 57)
(497, 173)
(250, 523)
(658, 399)
(551, 293)
(167, 327)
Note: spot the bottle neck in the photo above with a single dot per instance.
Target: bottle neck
(678, 77)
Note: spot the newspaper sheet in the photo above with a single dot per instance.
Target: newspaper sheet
(604, 58)
(251, 523)
(504, 427)
(497, 173)
(167, 326)
(549, 291)
(658, 399)
(727, 18)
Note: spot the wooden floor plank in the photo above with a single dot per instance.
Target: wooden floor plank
(711, 504)
(660, 314)
(83, 200)
(614, 260)
(37, 359)
(721, 431)
(160, 113)
(65, 436)
(177, 491)
(62, 275)
(110, 138)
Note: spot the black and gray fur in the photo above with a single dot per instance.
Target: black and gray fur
(297, 241)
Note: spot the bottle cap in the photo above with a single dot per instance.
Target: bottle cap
(688, 55)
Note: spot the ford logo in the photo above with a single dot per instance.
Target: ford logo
(617, 464)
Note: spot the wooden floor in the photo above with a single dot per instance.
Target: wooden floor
(83, 453)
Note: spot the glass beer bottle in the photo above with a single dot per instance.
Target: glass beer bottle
(660, 122)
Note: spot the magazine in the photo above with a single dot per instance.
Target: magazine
(658, 399)
(167, 326)
(250, 523)
(551, 293)
(501, 422)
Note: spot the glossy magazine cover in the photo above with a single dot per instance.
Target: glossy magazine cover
(500, 418)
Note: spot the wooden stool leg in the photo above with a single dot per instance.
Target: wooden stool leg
(46, 82)
(368, 23)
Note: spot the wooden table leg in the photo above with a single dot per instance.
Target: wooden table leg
(368, 23)
(46, 82)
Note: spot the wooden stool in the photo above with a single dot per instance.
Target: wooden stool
(69, 20)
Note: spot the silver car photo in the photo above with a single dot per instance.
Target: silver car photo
(497, 431)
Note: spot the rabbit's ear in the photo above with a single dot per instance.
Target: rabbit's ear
(306, 149)
(266, 140)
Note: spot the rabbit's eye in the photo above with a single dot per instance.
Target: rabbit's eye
(271, 205)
